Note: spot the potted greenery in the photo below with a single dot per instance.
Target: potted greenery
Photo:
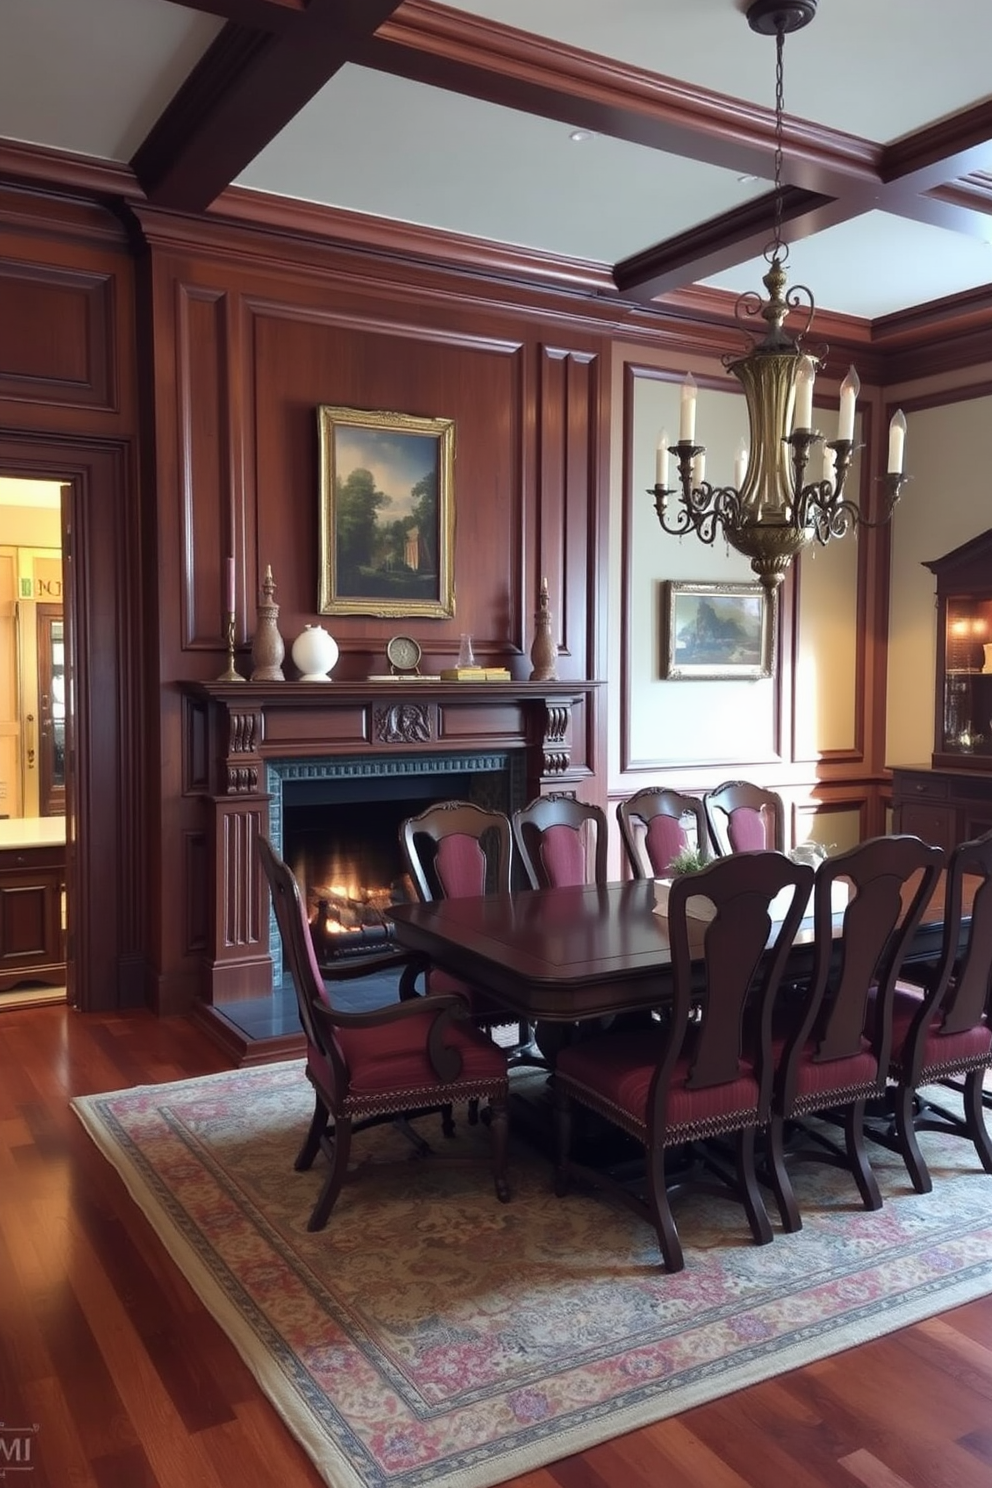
(687, 860)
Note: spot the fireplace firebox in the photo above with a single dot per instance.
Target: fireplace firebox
(336, 823)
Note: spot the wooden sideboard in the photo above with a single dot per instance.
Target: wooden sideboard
(941, 806)
(32, 889)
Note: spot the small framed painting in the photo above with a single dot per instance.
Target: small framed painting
(717, 630)
(387, 522)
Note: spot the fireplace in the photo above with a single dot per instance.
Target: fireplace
(336, 823)
(257, 749)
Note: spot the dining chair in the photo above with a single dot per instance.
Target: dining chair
(743, 817)
(561, 841)
(658, 823)
(452, 850)
(942, 1029)
(831, 1048)
(694, 1076)
(387, 1064)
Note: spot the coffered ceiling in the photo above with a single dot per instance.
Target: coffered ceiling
(627, 142)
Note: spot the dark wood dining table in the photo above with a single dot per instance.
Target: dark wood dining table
(562, 955)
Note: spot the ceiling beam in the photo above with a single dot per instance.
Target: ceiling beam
(247, 87)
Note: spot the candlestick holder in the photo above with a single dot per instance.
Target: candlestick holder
(231, 675)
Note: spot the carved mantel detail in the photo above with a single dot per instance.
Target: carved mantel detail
(403, 723)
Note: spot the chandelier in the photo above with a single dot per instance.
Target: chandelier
(773, 511)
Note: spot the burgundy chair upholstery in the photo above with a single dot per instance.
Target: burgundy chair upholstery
(455, 850)
(409, 1057)
(653, 828)
(943, 1031)
(693, 1076)
(744, 818)
(832, 1050)
(458, 850)
(561, 841)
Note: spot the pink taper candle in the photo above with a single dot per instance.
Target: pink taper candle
(229, 606)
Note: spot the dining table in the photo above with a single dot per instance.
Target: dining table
(561, 955)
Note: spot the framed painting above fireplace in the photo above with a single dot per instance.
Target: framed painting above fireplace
(387, 520)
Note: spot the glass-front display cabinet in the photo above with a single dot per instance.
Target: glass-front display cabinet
(963, 713)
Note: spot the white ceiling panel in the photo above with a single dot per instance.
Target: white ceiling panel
(875, 265)
(92, 76)
(376, 144)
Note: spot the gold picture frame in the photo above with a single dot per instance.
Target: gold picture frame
(718, 631)
(387, 519)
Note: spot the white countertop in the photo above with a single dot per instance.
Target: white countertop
(32, 831)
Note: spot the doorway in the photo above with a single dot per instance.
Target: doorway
(34, 909)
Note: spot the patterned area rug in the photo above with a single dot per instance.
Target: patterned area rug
(433, 1335)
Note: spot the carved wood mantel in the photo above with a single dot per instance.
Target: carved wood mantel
(232, 729)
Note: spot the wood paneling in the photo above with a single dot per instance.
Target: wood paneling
(58, 341)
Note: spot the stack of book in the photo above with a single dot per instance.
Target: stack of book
(475, 674)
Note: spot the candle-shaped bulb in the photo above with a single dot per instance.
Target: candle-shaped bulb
(740, 464)
(698, 471)
(805, 376)
(661, 460)
(687, 411)
(849, 390)
(897, 442)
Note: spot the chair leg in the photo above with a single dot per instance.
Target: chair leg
(661, 1210)
(563, 1139)
(499, 1132)
(857, 1156)
(974, 1117)
(448, 1120)
(747, 1178)
(311, 1142)
(904, 1107)
(336, 1149)
(781, 1184)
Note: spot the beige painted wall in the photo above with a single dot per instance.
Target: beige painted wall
(703, 724)
(948, 455)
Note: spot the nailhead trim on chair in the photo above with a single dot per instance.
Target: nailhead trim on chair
(403, 1100)
(698, 1130)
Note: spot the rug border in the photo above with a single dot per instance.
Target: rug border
(326, 1456)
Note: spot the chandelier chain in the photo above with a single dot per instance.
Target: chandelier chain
(779, 132)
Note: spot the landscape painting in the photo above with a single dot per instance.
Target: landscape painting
(717, 630)
(386, 513)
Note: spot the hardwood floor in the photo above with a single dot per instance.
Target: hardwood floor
(105, 1349)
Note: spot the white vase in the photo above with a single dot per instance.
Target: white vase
(314, 652)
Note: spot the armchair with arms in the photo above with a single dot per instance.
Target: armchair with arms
(406, 1058)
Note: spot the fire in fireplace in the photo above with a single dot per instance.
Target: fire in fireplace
(336, 822)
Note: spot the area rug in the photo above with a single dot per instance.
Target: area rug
(432, 1335)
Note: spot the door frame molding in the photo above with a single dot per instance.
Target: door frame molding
(105, 819)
